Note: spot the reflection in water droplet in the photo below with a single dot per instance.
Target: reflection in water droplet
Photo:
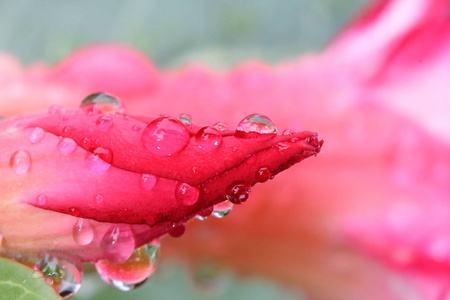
(104, 122)
(66, 145)
(186, 194)
(165, 136)
(82, 232)
(147, 181)
(222, 209)
(118, 243)
(185, 119)
(238, 193)
(177, 230)
(37, 135)
(41, 200)
(65, 275)
(99, 160)
(263, 174)
(221, 126)
(208, 138)
(256, 126)
(20, 162)
(101, 103)
(133, 272)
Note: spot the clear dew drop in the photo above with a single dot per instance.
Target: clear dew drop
(186, 194)
(74, 212)
(101, 103)
(37, 135)
(147, 182)
(82, 232)
(222, 209)
(221, 126)
(104, 122)
(165, 136)
(133, 272)
(185, 119)
(99, 199)
(117, 244)
(263, 174)
(177, 230)
(256, 126)
(67, 130)
(99, 160)
(282, 146)
(238, 193)
(64, 275)
(20, 162)
(66, 145)
(288, 132)
(208, 138)
(204, 214)
(41, 200)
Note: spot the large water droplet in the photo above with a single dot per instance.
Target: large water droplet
(66, 145)
(186, 194)
(37, 135)
(64, 275)
(101, 103)
(185, 119)
(256, 126)
(147, 181)
(118, 243)
(263, 174)
(165, 136)
(208, 138)
(82, 232)
(222, 209)
(20, 162)
(99, 160)
(104, 122)
(133, 272)
(238, 193)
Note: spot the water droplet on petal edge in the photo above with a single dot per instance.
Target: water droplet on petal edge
(208, 138)
(256, 126)
(82, 232)
(186, 194)
(101, 103)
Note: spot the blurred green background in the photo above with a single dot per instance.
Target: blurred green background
(220, 33)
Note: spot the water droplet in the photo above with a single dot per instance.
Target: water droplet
(177, 230)
(185, 119)
(208, 138)
(37, 135)
(41, 200)
(118, 243)
(186, 194)
(263, 174)
(66, 145)
(238, 193)
(222, 209)
(165, 136)
(204, 214)
(82, 232)
(86, 143)
(74, 212)
(99, 199)
(65, 275)
(288, 132)
(101, 103)
(136, 127)
(20, 162)
(98, 160)
(256, 126)
(147, 181)
(133, 272)
(67, 130)
(294, 140)
(104, 122)
(281, 146)
(220, 126)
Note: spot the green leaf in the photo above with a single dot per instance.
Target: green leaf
(22, 283)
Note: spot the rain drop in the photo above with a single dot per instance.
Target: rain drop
(208, 138)
(56, 110)
(238, 193)
(177, 230)
(118, 243)
(67, 130)
(256, 126)
(104, 122)
(86, 143)
(186, 194)
(37, 135)
(74, 212)
(220, 126)
(165, 136)
(41, 200)
(222, 209)
(99, 160)
(20, 162)
(288, 132)
(66, 145)
(101, 103)
(147, 182)
(82, 232)
(99, 199)
(282, 146)
(185, 119)
(204, 214)
(263, 174)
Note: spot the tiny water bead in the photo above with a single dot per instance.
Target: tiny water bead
(67, 130)
(204, 214)
(221, 126)
(222, 209)
(147, 181)
(37, 135)
(281, 146)
(101, 103)
(256, 126)
(99, 160)
(208, 138)
(104, 122)
(99, 199)
(117, 244)
(41, 200)
(20, 162)
(74, 212)
(82, 232)
(165, 136)
(238, 193)
(186, 194)
(56, 110)
(288, 132)
(185, 119)
(133, 272)
(64, 275)
(66, 145)
(263, 174)
(177, 230)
